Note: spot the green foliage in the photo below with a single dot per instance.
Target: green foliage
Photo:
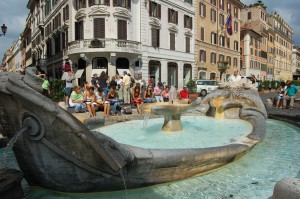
(57, 87)
(192, 86)
(296, 82)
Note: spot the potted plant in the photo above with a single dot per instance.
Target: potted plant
(192, 89)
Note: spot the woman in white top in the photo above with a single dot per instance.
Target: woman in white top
(90, 99)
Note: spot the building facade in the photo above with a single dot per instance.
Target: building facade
(296, 62)
(254, 17)
(213, 45)
(149, 39)
(271, 53)
(250, 46)
(283, 42)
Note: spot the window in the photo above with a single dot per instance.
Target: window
(189, 1)
(122, 29)
(213, 58)
(221, 58)
(99, 28)
(214, 38)
(80, 4)
(236, 26)
(221, 4)
(236, 12)
(172, 41)
(187, 44)
(155, 37)
(172, 16)
(202, 56)
(154, 10)
(228, 8)
(222, 41)
(79, 30)
(66, 13)
(98, 2)
(202, 34)
(188, 22)
(202, 10)
(236, 45)
(228, 42)
(122, 3)
(213, 15)
(229, 60)
(249, 15)
(221, 19)
(235, 62)
(213, 2)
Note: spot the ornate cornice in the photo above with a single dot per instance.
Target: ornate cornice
(122, 14)
(96, 12)
(155, 23)
(188, 32)
(80, 14)
(173, 28)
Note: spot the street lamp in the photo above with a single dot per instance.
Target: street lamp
(4, 29)
(222, 67)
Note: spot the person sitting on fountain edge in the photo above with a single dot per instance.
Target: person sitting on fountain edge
(184, 94)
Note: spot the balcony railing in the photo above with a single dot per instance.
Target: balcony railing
(111, 45)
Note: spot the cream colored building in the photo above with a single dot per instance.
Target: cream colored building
(254, 17)
(296, 63)
(213, 45)
(283, 47)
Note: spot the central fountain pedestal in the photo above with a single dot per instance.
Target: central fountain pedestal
(172, 114)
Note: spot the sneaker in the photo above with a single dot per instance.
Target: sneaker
(291, 108)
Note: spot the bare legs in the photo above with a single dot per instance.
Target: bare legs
(106, 110)
(91, 109)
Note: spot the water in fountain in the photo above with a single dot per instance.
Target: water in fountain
(145, 122)
(253, 176)
(173, 94)
(9, 147)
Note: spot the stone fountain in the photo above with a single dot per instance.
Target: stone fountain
(56, 151)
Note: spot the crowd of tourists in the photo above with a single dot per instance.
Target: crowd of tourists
(106, 93)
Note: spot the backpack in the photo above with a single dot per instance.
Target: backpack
(127, 110)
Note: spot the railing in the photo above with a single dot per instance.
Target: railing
(112, 45)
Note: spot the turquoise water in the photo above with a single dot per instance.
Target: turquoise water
(253, 176)
(198, 132)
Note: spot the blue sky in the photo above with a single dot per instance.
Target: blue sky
(14, 13)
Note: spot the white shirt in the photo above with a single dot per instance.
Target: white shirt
(233, 78)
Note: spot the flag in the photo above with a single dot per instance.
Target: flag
(228, 25)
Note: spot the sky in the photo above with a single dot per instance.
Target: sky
(14, 13)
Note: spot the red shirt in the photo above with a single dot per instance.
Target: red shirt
(184, 94)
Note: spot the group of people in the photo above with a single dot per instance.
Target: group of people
(107, 93)
(286, 92)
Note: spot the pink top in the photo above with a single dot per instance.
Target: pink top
(157, 90)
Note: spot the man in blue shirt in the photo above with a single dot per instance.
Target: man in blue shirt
(290, 94)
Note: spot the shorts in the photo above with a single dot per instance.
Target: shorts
(69, 91)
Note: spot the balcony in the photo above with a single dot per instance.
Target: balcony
(104, 45)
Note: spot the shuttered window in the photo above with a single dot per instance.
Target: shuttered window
(79, 30)
(122, 29)
(154, 10)
(155, 37)
(172, 16)
(99, 28)
(202, 34)
(187, 45)
(172, 41)
(122, 3)
(202, 10)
